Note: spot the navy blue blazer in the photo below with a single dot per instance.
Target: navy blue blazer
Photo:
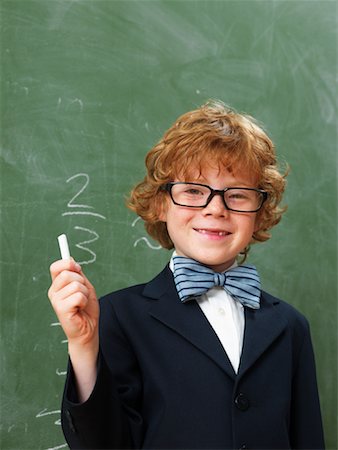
(165, 381)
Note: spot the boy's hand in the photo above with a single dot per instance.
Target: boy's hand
(75, 303)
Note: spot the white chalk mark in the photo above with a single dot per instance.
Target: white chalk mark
(143, 238)
(17, 88)
(82, 247)
(64, 341)
(79, 102)
(135, 221)
(57, 447)
(83, 213)
(61, 373)
(45, 412)
(55, 324)
(152, 246)
(70, 204)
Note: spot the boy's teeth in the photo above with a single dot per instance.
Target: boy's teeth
(219, 233)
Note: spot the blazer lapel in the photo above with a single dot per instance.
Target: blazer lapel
(186, 319)
(262, 327)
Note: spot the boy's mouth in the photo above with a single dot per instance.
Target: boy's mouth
(212, 232)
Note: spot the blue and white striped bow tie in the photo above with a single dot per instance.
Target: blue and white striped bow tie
(194, 279)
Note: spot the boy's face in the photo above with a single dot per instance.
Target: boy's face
(211, 235)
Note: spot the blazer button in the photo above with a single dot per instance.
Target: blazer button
(242, 402)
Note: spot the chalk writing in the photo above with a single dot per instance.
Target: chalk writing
(83, 213)
(57, 447)
(144, 238)
(71, 203)
(45, 412)
(82, 247)
(149, 244)
(78, 208)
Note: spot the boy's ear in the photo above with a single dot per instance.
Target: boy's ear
(162, 213)
(163, 216)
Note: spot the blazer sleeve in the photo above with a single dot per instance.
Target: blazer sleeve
(110, 418)
(306, 429)
(99, 422)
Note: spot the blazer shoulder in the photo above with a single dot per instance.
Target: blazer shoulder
(127, 299)
(126, 292)
(133, 295)
(293, 316)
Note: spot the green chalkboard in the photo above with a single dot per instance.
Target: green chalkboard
(87, 87)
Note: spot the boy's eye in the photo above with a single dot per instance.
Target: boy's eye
(194, 191)
(241, 196)
(238, 195)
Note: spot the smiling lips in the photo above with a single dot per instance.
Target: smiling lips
(212, 232)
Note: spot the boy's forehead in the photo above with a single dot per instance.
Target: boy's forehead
(203, 169)
(203, 173)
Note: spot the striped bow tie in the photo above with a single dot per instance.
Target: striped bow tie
(193, 279)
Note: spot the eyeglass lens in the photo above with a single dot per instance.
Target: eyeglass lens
(195, 195)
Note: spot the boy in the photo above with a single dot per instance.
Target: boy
(199, 357)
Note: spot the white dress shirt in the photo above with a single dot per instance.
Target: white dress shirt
(226, 316)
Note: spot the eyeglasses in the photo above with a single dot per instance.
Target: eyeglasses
(196, 195)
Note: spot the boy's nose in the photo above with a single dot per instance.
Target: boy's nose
(216, 206)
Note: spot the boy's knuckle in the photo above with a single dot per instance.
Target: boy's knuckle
(57, 307)
(76, 285)
(52, 270)
(80, 297)
(64, 277)
(61, 276)
(50, 293)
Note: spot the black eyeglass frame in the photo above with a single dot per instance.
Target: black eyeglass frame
(168, 187)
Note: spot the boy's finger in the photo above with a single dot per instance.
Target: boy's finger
(65, 278)
(65, 290)
(61, 299)
(63, 264)
(87, 282)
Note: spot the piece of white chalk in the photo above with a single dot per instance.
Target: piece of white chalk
(64, 248)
